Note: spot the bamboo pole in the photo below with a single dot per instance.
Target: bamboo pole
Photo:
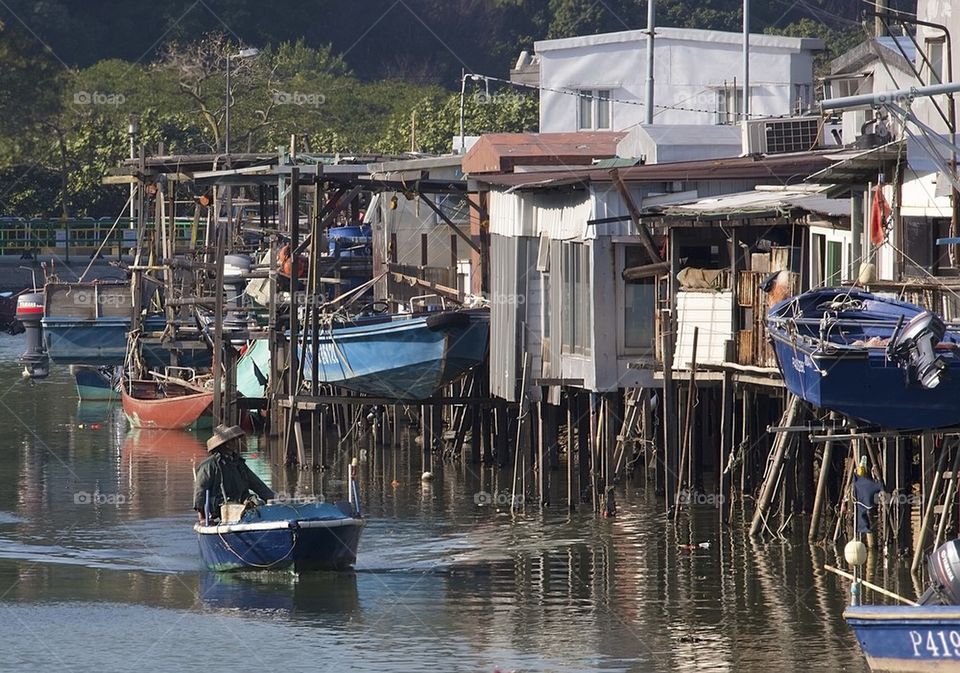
(871, 586)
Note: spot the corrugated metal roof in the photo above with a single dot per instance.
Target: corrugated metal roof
(778, 167)
(762, 201)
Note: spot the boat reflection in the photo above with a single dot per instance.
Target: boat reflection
(97, 411)
(309, 594)
(169, 443)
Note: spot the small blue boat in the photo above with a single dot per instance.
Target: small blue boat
(876, 359)
(298, 536)
(400, 356)
(908, 639)
(279, 536)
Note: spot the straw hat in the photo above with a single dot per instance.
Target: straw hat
(223, 434)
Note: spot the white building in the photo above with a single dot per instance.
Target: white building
(597, 82)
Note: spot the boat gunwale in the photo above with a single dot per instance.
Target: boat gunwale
(292, 524)
(405, 324)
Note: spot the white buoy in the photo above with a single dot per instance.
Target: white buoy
(426, 476)
(855, 552)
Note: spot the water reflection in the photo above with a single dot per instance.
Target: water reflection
(441, 582)
(311, 595)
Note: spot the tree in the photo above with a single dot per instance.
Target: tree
(433, 123)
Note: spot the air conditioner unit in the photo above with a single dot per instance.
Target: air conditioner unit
(781, 135)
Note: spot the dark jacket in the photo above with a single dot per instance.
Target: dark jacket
(227, 478)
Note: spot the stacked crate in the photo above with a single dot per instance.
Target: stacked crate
(753, 346)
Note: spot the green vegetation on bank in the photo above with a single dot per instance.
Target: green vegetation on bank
(339, 79)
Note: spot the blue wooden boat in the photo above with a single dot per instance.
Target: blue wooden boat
(400, 356)
(97, 384)
(87, 324)
(876, 359)
(908, 639)
(280, 536)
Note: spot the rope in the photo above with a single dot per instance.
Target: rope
(263, 566)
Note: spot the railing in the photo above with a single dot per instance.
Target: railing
(79, 236)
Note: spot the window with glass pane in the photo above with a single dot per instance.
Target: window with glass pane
(817, 254)
(834, 263)
(586, 109)
(603, 108)
(584, 327)
(935, 55)
(729, 101)
(639, 304)
(568, 313)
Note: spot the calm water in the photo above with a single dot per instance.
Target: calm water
(441, 584)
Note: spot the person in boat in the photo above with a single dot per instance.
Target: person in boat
(224, 476)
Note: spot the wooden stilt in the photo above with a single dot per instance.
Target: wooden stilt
(725, 457)
(774, 467)
(570, 404)
(668, 406)
(583, 444)
(687, 427)
(825, 462)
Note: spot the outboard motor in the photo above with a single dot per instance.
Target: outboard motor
(36, 364)
(913, 348)
(236, 268)
(944, 568)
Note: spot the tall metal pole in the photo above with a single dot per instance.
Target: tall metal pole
(226, 114)
(463, 90)
(746, 59)
(650, 38)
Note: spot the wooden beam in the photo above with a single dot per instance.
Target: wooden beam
(645, 238)
(453, 293)
(646, 271)
(449, 222)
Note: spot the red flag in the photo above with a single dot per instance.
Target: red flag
(879, 214)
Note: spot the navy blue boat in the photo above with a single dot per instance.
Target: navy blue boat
(279, 536)
(401, 356)
(876, 359)
(924, 636)
(907, 639)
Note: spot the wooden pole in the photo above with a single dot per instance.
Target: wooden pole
(821, 490)
(871, 586)
(293, 214)
(218, 373)
(778, 451)
(687, 424)
(667, 411)
(948, 504)
(571, 419)
(929, 510)
(727, 403)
